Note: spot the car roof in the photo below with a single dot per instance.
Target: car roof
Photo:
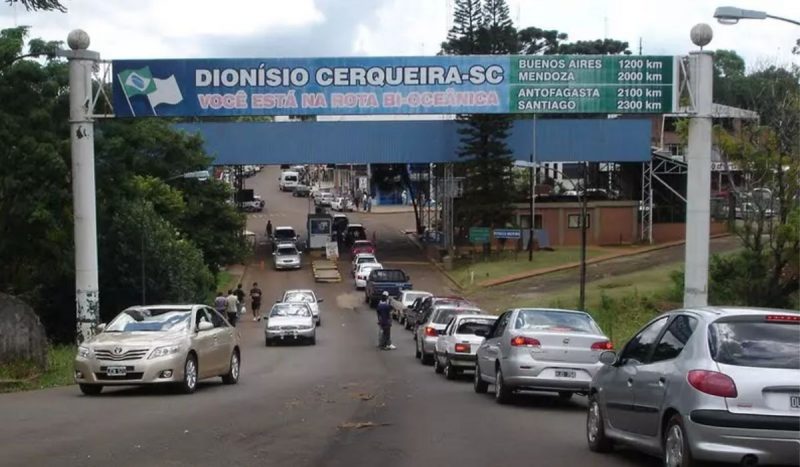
(364, 255)
(474, 316)
(535, 308)
(298, 291)
(370, 266)
(713, 312)
(286, 245)
(340, 215)
(182, 307)
(418, 292)
(355, 225)
(363, 241)
(457, 307)
(284, 227)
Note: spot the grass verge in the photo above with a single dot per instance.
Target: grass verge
(59, 372)
(510, 263)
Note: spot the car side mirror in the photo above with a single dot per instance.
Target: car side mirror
(609, 357)
(204, 326)
(100, 327)
(481, 332)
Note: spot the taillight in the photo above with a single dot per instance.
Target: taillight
(713, 383)
(783, 318)
(462, 348)
(522, 341)
(431, 332)
(603, 345)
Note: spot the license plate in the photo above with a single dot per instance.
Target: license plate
(116, 371)
(794, 402)
(565, 373)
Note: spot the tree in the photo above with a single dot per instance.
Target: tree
(728, 76)
(37, 5)
(498, 35)
(796, 48)
(595, 47)
(467, 22)
(536, 41)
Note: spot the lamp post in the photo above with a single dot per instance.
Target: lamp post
(732, 15)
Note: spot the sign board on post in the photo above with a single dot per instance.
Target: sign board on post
(466, 84)
(507, 233)
(479, 234)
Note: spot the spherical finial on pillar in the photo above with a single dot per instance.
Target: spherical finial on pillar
(702, 34)
(78, 39)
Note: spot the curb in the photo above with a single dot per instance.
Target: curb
(568, 266)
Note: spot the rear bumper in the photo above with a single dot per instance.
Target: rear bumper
(533, 374)
(428, 344)
(722, 436)
(462, 360)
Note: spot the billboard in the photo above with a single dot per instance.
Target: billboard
(490, 84)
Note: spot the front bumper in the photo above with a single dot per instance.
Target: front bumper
(287, 265)
(727, 444)
(290, 334)
(143, 371)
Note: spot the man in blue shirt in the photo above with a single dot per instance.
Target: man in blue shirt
(385, 322)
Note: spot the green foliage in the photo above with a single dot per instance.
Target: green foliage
(60, 365)
(43, 5)
(467, 22)
(595, 47)
(536, 41)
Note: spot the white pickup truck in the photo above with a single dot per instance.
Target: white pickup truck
(407, 298)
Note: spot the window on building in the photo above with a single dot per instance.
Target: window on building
(675, 149)
(525, 221)
(574, 221)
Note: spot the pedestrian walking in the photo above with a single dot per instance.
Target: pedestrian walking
(269, 229)
(232, 307)
(255, 301)
(365, 201)
(240, 295)
(385, 322)
(357, 200)
(220, 303)
(370, 200)
(404, 197)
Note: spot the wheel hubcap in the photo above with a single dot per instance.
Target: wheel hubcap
(674, 447)
(235, 366)
(447, 370)
(191, 373)
(593, 422)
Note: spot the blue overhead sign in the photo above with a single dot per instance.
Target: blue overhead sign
(394, 85)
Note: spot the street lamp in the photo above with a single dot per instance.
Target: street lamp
(732, 15)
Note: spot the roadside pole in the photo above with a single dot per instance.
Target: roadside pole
(698, 192)
(81, 62)
(533, 193)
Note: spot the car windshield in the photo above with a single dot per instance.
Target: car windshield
(366, 259)
(284, 233)
(444, 316)
(555, 321)
(469, 326)
(289, 310)
(285, 251)
(387, 275)
(299, 297)
(756, 343)
(146, 320)
(290, 178)
(411, 297)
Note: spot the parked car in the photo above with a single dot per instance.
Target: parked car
(362, 258)
(541, 349)
(290, 322)
(353, 233)
(342, 204)
(284, 234)
(363, 272)
(304, 296)
(362, 246)
(301, 190)
(255, 205)
(432, 325)
(340, 222)
(707, 384)
(159, 344)
(455, 349)
(406, 299)
(414, 315)
(286, 256)
(411, 313)
(393, 281)
(324, 198)
(288, 180)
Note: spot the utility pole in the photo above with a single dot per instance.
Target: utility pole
(582, 296)
(698, 158)
(533, 193)
(81, 62)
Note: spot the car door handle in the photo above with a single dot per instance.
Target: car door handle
(662, 381)
(630, 382)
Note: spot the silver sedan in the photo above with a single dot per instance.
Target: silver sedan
(540, 349)
(719, 384)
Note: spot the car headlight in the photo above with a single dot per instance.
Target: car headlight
(84, 352)
(164, 351)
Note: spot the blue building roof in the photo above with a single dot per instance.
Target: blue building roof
(360, 142)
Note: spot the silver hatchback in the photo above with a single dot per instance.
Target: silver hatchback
(540, 349)
(719, 384)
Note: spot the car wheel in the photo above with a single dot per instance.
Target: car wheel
(319, 322)
(417, 353)
(449, 372)
(313, 340)
(502, 393)
(437, 367)
(564, 395)
(267, 342)
(189, 383)
(595, 428)
(478, 383)
(426, 359)
(676, 445)
(91, 389)
(232, 376)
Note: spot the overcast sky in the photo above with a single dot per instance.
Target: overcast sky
(309, 28)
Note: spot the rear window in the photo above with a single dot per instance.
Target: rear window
(387, 275)
(283, 251)
(444, 316)
(555, 321)
(284, 233)
(469, 326)
(290, 178)
(756, 343)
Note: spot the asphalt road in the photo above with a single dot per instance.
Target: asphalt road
(297, 405)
